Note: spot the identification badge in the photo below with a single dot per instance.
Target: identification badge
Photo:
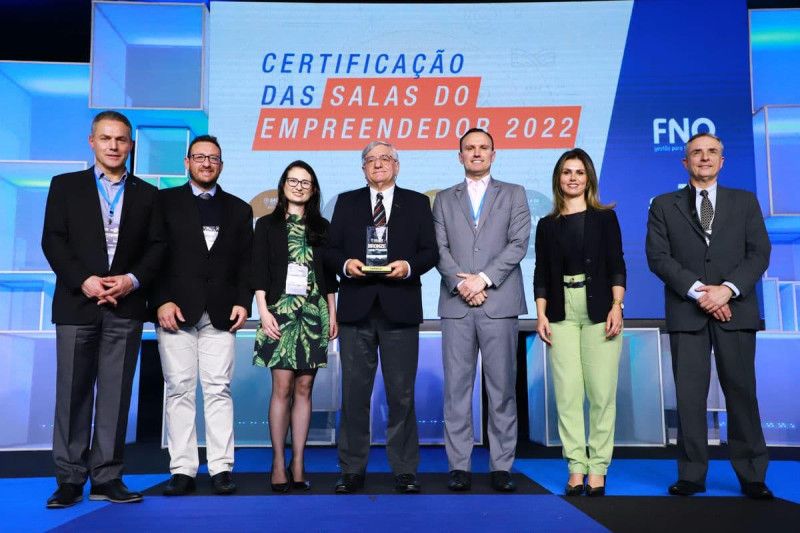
(297, 280)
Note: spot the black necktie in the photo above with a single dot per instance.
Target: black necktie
(706, 211)
(379, 213)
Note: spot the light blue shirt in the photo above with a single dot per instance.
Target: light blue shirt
(111, 224)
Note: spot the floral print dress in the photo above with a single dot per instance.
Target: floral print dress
(303, 320)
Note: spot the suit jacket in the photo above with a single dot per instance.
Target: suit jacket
(411, 238)
(198, 279)
(74, 242)
(677, 253)
(495, 248)
(603, 262)
(271, 260)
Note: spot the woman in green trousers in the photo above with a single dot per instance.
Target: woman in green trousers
(579, 286)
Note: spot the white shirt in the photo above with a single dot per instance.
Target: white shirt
(476, 190)
(388, 196)
(712, 196)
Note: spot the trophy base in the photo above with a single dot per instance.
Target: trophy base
(372, 270)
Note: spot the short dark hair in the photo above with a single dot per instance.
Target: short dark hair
(204, 139)
(112, 115)
(474, 130)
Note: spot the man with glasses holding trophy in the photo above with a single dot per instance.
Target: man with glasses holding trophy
(381, 240)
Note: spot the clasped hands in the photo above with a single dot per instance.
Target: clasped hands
(169, 314)
(109, 289)
(472, 289)
(714, 301)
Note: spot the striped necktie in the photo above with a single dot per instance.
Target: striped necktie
(379, 213)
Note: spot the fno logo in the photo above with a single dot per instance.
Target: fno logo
(671, 134)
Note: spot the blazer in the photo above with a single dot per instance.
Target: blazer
(74, 243)
(195, 278)
(271, 260)
(604, 265)
(495, 248)
(738, 252)
(411, 238)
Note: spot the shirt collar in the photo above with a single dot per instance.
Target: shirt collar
(197, 191)
(98, 174)
(388, 193)
(484, 181)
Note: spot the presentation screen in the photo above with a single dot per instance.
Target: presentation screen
(628, 82)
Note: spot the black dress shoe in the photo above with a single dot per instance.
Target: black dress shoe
(573, 490)
(281, 487)
(460, 481)
(223, 483)
(757, 491)
(596, 491)
(179, 485)
(685, 488)
(66, 495)
(406, 484)
(114, 491)
(299, 485)
(502, 482)
(349, 483)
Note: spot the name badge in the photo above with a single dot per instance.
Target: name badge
(210, 235)
(297, 280)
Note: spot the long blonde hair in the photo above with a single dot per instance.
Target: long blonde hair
(591, 193)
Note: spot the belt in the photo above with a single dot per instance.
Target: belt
(575, 284)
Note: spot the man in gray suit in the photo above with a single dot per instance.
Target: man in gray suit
(482, 230)
(709, 245)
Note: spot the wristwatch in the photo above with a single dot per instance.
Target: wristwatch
(618, 302)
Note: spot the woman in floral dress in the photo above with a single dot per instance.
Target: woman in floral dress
(296, 302)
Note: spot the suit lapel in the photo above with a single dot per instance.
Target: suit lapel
(462, 197)
(722, 210)
(188, 208)
(225, 218)
(129, 198)
(91, 197)
(492, 190)
(682, 199)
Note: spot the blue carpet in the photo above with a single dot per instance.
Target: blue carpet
(651, 477)
(387, 514)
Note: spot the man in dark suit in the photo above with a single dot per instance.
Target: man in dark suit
(202, 297)
(103, 239)
(482, 227)
(380, 312)
(710, 247)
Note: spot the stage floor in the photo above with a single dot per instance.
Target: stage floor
(636, 497)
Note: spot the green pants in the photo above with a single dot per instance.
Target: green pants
(584, 362)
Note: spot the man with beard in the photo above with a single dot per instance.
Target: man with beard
(202, 297)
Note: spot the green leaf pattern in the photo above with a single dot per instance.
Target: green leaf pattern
(303, 320)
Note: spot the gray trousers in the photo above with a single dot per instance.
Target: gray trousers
(398, 345)
(102, 354)
(497, 340)
(691, 366)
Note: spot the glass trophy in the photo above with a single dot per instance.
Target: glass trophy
(377, 250)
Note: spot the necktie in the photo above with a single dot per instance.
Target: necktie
(379, 213)
(706, 211)
(205, 196)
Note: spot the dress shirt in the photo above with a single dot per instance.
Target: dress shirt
(476, 190)
(712, 196)
(111, 230)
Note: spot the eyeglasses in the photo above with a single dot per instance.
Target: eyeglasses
(304, 184)
(371, 160)
(201, 158)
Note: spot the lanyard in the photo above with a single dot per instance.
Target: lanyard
(112, 204)
(477, 216)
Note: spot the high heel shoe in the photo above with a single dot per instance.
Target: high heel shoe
(282, 487)
(574, 490)
(596, 491)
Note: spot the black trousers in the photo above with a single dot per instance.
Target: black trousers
(734, 353)
(360, 345)
(103, 354)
